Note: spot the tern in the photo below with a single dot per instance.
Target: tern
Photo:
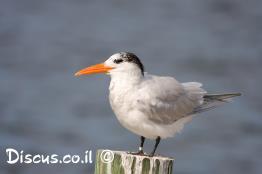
(153, 107)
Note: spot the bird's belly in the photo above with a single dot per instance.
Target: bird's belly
(137, 123)
(130, 118)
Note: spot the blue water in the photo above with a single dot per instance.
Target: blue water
(45, 109)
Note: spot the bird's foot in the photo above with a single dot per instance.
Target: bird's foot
(151, 154)
(140, 152)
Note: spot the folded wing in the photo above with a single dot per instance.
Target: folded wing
(164, 100)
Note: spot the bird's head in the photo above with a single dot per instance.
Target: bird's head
(123, 63)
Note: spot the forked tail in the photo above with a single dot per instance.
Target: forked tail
(213, 100)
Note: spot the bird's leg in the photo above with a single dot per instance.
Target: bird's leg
(156, 144)
(140, 150)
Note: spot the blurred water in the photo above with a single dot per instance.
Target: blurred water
(45, 109)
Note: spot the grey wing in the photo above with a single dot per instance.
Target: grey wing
(164, 100)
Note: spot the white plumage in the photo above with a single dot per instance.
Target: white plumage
(153, 106)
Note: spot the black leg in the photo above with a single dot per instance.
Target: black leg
(141, 145)
(140, 151)
(156, 144)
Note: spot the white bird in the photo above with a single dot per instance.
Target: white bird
(153, 107)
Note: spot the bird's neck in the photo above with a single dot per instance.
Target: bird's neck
(125, 80)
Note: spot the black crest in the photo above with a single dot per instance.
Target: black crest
(130, 57)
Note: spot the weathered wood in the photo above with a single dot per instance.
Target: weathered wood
(119, 162)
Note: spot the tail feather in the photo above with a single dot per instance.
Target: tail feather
(213, 100)
(220, 97)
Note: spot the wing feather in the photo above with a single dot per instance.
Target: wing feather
(164, 100)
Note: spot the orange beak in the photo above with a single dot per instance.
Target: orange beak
(95, 69)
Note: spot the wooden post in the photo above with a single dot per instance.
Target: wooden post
(119, 162)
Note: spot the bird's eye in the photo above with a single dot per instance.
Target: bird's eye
(117, 61)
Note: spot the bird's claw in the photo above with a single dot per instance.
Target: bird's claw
(151, 154)
(140, 152)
